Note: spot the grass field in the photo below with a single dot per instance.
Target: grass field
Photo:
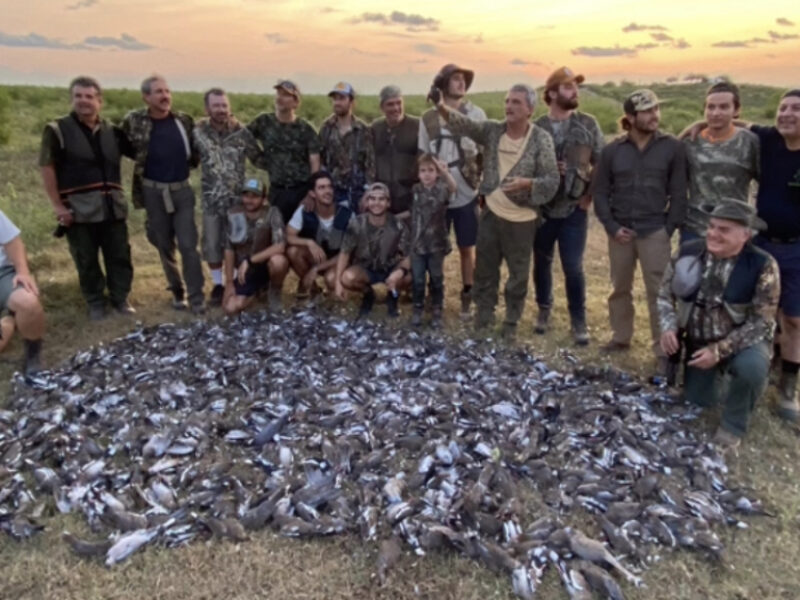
(763, 560)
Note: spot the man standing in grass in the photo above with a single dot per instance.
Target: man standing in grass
(578, 141)
(162, 151)
(222, 144)
(639, 192)
(80, 164)
(462, 156)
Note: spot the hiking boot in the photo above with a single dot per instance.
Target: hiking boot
(436, 317)
(215, 297)
(274, 299)
(613, 346)
(178, 300)
(466, 302)
(580, 334)
(726, 440)
(367, 302)
(541, 321)
(416, 317)
(788, 407)
(199, 308)
(391, 304)
(125, 308)
(32, 364)
(97, 312)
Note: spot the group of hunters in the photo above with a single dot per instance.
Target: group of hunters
(355, 205)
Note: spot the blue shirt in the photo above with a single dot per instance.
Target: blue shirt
(778, 201)
(166, 153)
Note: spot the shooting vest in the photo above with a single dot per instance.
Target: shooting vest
(333, 242)
(90, 183)
(396, 159)
(469, 163)
(741, 285)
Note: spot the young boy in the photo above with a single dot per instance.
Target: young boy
(255, 247)
(429, 240)
(378, 243)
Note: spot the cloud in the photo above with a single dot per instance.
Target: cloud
(328, 9)
(412, 22)
(275, 38)
(631, 27)
(518, 62)
(782, 36)
(731, 44)
(681, 44)
(784, 21)
(81, 4)
(124, 42)
(600, 51)
(647, 46)
(34, 40)
(425, 48)
(661, 37)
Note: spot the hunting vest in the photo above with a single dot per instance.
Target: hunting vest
(333, 242)
(468, 163)
(396, 159)
(741, 285)
(90, 183)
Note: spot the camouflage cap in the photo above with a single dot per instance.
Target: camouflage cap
(289, 87)
(640, 100)
(343, 88)
(735, 210)
(389, 92)
(254, 186)
(562, 75)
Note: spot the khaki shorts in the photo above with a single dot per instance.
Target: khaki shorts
(213, 240)
(7, 274)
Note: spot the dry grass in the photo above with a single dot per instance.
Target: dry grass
(762, 562)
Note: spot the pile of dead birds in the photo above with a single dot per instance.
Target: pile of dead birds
(314, 426)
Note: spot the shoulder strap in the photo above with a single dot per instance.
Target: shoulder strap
(54, 125)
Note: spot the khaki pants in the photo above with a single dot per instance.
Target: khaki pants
(652, 252)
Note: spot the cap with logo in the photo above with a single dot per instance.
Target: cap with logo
(640, 100)
(290, 87)
(343, 88)
(254, 186)
(562, 75)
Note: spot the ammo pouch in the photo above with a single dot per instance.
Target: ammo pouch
(90, 207)
(575, 185)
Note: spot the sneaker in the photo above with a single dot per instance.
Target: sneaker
(32, 362)
(580, 334)
(416, 317)
(366, 303)
(466, 302)
(125, 308)
(726, 440)
(178, 300)
(391, 304)
(97, 312)
(541, 321)
(613, 346)
(215, 297)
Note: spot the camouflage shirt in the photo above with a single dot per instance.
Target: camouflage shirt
(710, 320)
(248, 236)
(719, 170)
(578, 142)
(286, 147)
(222, 158)
(429, 232)
(376, 248)
(348, 158)
(136, 127)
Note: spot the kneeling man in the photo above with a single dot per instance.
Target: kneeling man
(378, 244)
(255, 247)
(722, 292)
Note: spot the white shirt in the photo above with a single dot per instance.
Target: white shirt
(8, 231)
(296, 222)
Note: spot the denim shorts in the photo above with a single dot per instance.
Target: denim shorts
(465, 221)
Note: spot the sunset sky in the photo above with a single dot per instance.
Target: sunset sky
(245, 45)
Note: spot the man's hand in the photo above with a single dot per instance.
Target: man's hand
(669, 342)
(241, 271)
(63, 215)
(562, 167)
(317, 254)
(624, 235)
(340, 292)
(585, 202)
(441, 165)
(308, 202)
(309, 278)
(26, 281)
(514, 185)
(693, 130)
(705, 358)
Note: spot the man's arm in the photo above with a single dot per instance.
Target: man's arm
(665, 302)
(63, 214)
(313, 162)
(462, 125)
(546, 177)
(342, 260)
(677, 189)
(229, 257)
(268, 252)
(601, 191)
(15, 250)
(123, 141)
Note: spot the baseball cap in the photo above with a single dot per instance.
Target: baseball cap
(343, 88)
(562, 75)
(640, 100)
(254, 186)
(288, 86)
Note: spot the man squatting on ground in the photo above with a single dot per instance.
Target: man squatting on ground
(80, 165)
(722, 292)
(315, 237)
(519, 175)
(578, 141)
(290, 147)
(430, 241)
(255, 249)
(375, 250)
(222, 144)
(160, 144)
(462, 156)
(347, 152)
(19, 295)
(639, 191)
(394, 137)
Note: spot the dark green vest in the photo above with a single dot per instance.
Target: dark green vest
(396, 152)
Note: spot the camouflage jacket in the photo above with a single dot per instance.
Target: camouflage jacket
(712, 320)
(248, 236)
(429, 233)
(222, 159)
(376, 248)
(286, 148)
(349, 158)
(719, 170)
(538, 160)
(136, 127)
(578, 142)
